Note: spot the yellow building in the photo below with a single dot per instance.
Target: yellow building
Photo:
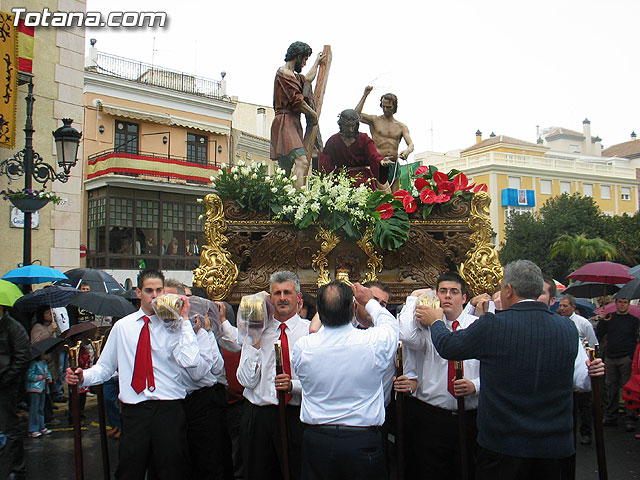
(153, 139)
(521, 176)
(57, 76)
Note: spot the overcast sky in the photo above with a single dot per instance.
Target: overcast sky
(456, 65)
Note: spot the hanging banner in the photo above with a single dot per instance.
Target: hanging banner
(25, 47)
(8, 80)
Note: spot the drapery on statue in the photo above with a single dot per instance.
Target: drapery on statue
(387, 133)
(352, 151)
(288, 102)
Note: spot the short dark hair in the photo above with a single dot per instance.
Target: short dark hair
(570, 298)
(309, 302)
(392, 98)
(296, 49)
(40, 313)
(335, 304)
(375, 283)
(553, 289)
(452, 277)
(149, 273)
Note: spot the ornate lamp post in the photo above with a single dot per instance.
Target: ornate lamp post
(30, 164)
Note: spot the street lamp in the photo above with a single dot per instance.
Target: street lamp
(29, 163)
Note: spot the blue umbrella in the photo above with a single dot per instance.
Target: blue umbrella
(30, 274)
(53, 296)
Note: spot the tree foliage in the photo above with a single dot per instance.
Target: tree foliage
(531, 237)
(579, 249)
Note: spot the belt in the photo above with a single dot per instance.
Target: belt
(150, 403)
(444, 411)
(343, 428)
(284, 111)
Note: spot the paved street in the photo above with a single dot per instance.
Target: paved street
(51, 457)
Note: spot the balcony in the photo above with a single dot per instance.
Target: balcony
(149, 166)
(146, 73)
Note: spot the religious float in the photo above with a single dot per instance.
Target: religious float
(258, 224)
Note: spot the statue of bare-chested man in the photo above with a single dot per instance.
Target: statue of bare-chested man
(387, 132)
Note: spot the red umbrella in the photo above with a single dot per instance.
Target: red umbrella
(602, 272)
(611, 307)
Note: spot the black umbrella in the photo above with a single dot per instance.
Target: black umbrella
(98, 280)
(129, 294)
(79, 328)
(105, 304)
(590, 289)
(630, 290)
(44, 346)
(53, 296)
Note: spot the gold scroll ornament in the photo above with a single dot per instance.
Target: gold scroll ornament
(374, 261)
(319, 260)
(481, 269)
(217, 273)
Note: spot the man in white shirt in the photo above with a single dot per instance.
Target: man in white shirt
(567, 308)
(433, 438)
(341, 370)
(259, 427)
(152, 394)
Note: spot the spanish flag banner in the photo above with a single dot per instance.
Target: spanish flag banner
(25, 47)
(8, 80)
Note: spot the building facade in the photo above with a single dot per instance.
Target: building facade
(57, 76)
(521, 176)
(154, 138)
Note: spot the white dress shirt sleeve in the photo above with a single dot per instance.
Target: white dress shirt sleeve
(186, 352)
(107, 364)
(410, 333)
(384, 331)
(581, 379)
(249, 367)
(205, 359)
(217, 367)
(227, 337)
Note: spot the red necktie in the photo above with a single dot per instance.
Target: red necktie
(143, 366)
(286, 364)
(451, 370)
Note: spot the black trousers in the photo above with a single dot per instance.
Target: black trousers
(330, 452)
(209, 445)
(12, 455)
(154, 437)
(433, 441)
(261, 442)
(496, 466)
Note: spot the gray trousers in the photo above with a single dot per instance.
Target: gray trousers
(618, 372)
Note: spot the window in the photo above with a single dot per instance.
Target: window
(197, 148)
(565, 187)
(625, 193)
(587, 190)
(605, 192)
(126, 138)
(514, 182)
(574, 148)
(545, 187)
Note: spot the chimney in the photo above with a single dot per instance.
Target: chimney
(91, 62)
(633, 135)
(261, 124)
(492, 135)
(478, 137)
(223, 84)
(586, 131)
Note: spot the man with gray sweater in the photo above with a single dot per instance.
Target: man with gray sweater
(526, 353)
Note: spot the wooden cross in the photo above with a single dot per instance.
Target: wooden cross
(318, 97)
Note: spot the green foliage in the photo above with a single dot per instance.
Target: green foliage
(561, 220)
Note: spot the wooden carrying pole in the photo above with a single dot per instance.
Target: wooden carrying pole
(318, 96)
(462, 433)
(104, 446)
(597, 419)
(75, 411)
(399, 417)
(282, 410)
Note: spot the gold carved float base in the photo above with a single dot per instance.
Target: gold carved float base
(245, 248)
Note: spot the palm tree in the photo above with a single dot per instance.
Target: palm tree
(579, 249)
